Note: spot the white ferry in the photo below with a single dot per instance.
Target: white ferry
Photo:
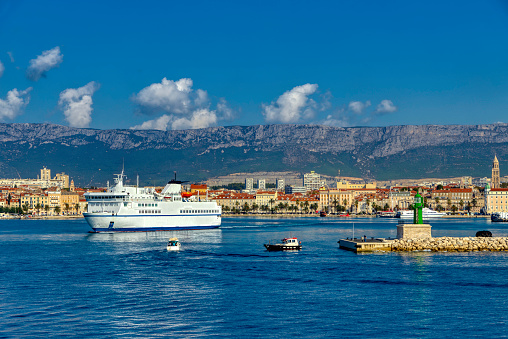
(131, 208)
(427, 213)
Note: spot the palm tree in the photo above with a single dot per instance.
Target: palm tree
(437, 200)
(314, 206)
(66, 207)
(246, 207)
(46, 208)
(454, 209)
(306, 204)
(57, 210)
(25, 208)
(335, 203)
(76, 207)
(255, 207)
(461, 203)
(271, 204)
(38, 207)
(449, 203)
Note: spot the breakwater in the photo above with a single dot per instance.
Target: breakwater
(451, 244)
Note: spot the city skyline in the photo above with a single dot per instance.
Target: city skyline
(179, 66)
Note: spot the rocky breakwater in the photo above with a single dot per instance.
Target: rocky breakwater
(451, 244)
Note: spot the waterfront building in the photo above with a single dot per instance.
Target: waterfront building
(329, 199)
(460, 197)
(495, 174)
(496, 200)
(230, 200)
(68, 201)
(266, 197)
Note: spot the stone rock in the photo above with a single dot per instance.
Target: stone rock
(484, 234)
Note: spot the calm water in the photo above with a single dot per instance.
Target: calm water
(58, 280)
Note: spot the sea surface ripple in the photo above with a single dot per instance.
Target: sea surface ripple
(58, 280)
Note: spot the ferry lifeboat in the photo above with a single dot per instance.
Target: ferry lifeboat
(287, 244)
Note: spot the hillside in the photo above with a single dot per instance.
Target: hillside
(91, 156)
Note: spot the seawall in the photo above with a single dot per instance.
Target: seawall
(451, 244)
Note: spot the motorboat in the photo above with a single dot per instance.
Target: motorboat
(499, 217)
(174, 244)
(286, 244)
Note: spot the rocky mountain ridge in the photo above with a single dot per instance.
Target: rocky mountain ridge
(366, 151)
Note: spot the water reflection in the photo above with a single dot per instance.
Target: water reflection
(213, 236)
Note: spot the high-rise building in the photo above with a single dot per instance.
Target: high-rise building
(312, 181)
(280, 184)
(249, 184)
(262, 184)
(495, 173)
(45, 174)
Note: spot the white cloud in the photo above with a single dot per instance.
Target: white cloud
(183, 107)
(288, 107)
(76, 104)
(14, 103)
(160, 123)
(2, 68)
(224, 109)
(386, 106)
(47, 60)
(11, 56)
(200, 118)
(170, 96)
(358, 107)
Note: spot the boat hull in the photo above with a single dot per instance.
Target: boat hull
(280, 247)
(149, 223)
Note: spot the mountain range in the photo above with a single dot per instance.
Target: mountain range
(91, 156)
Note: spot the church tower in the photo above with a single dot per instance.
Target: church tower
(495, 173)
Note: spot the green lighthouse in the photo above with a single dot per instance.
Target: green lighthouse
(418, 206)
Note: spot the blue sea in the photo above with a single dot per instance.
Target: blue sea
(58, 280)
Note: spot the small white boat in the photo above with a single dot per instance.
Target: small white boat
(174, 244)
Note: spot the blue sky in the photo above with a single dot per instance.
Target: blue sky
(101, 64)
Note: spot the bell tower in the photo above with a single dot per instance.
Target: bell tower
(495, 173)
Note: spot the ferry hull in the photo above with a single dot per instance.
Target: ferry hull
(129, 223)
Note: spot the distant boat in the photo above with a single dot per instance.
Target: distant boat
(322, 214)
(386, 214)
(427, 213)
(499, 217)
(287, 244)
(173, 244)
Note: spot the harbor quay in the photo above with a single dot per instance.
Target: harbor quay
(441, 244)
